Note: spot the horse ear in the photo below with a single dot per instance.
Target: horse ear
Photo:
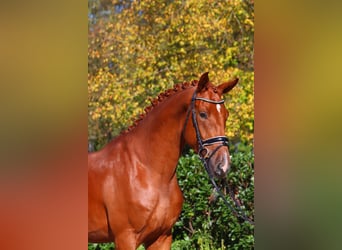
(227, 86)
(203, 81)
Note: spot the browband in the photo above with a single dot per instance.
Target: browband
(210, 101)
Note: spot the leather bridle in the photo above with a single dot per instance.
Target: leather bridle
(205, 154)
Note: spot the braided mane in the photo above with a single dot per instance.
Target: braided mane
(159, 99)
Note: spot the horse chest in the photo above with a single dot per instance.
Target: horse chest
(164, 213)
(165, 210)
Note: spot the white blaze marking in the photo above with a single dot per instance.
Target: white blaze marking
(218, 107)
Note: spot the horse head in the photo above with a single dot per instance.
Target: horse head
(208, 116)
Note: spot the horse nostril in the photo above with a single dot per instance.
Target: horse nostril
(219, 170)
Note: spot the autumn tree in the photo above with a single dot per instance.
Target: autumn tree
(140, 48)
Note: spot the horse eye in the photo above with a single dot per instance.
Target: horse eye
(203, 115)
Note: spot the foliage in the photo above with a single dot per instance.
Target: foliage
(108, 246)
(96, 246)
(137, 49)
(205, 219)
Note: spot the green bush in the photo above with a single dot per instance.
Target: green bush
(95, 246)
(210, 224)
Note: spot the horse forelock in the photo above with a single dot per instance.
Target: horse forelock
(160, 99)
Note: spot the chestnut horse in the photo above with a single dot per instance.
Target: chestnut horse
(133, 193)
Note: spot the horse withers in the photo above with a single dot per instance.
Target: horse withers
(133, 194)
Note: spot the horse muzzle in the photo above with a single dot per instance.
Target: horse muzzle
(217, 159)
(220, 165)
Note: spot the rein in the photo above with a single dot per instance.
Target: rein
(205, 155)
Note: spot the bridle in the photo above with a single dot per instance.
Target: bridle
(202, 144)
(205, 154)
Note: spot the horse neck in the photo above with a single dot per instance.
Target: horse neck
(161, 132)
